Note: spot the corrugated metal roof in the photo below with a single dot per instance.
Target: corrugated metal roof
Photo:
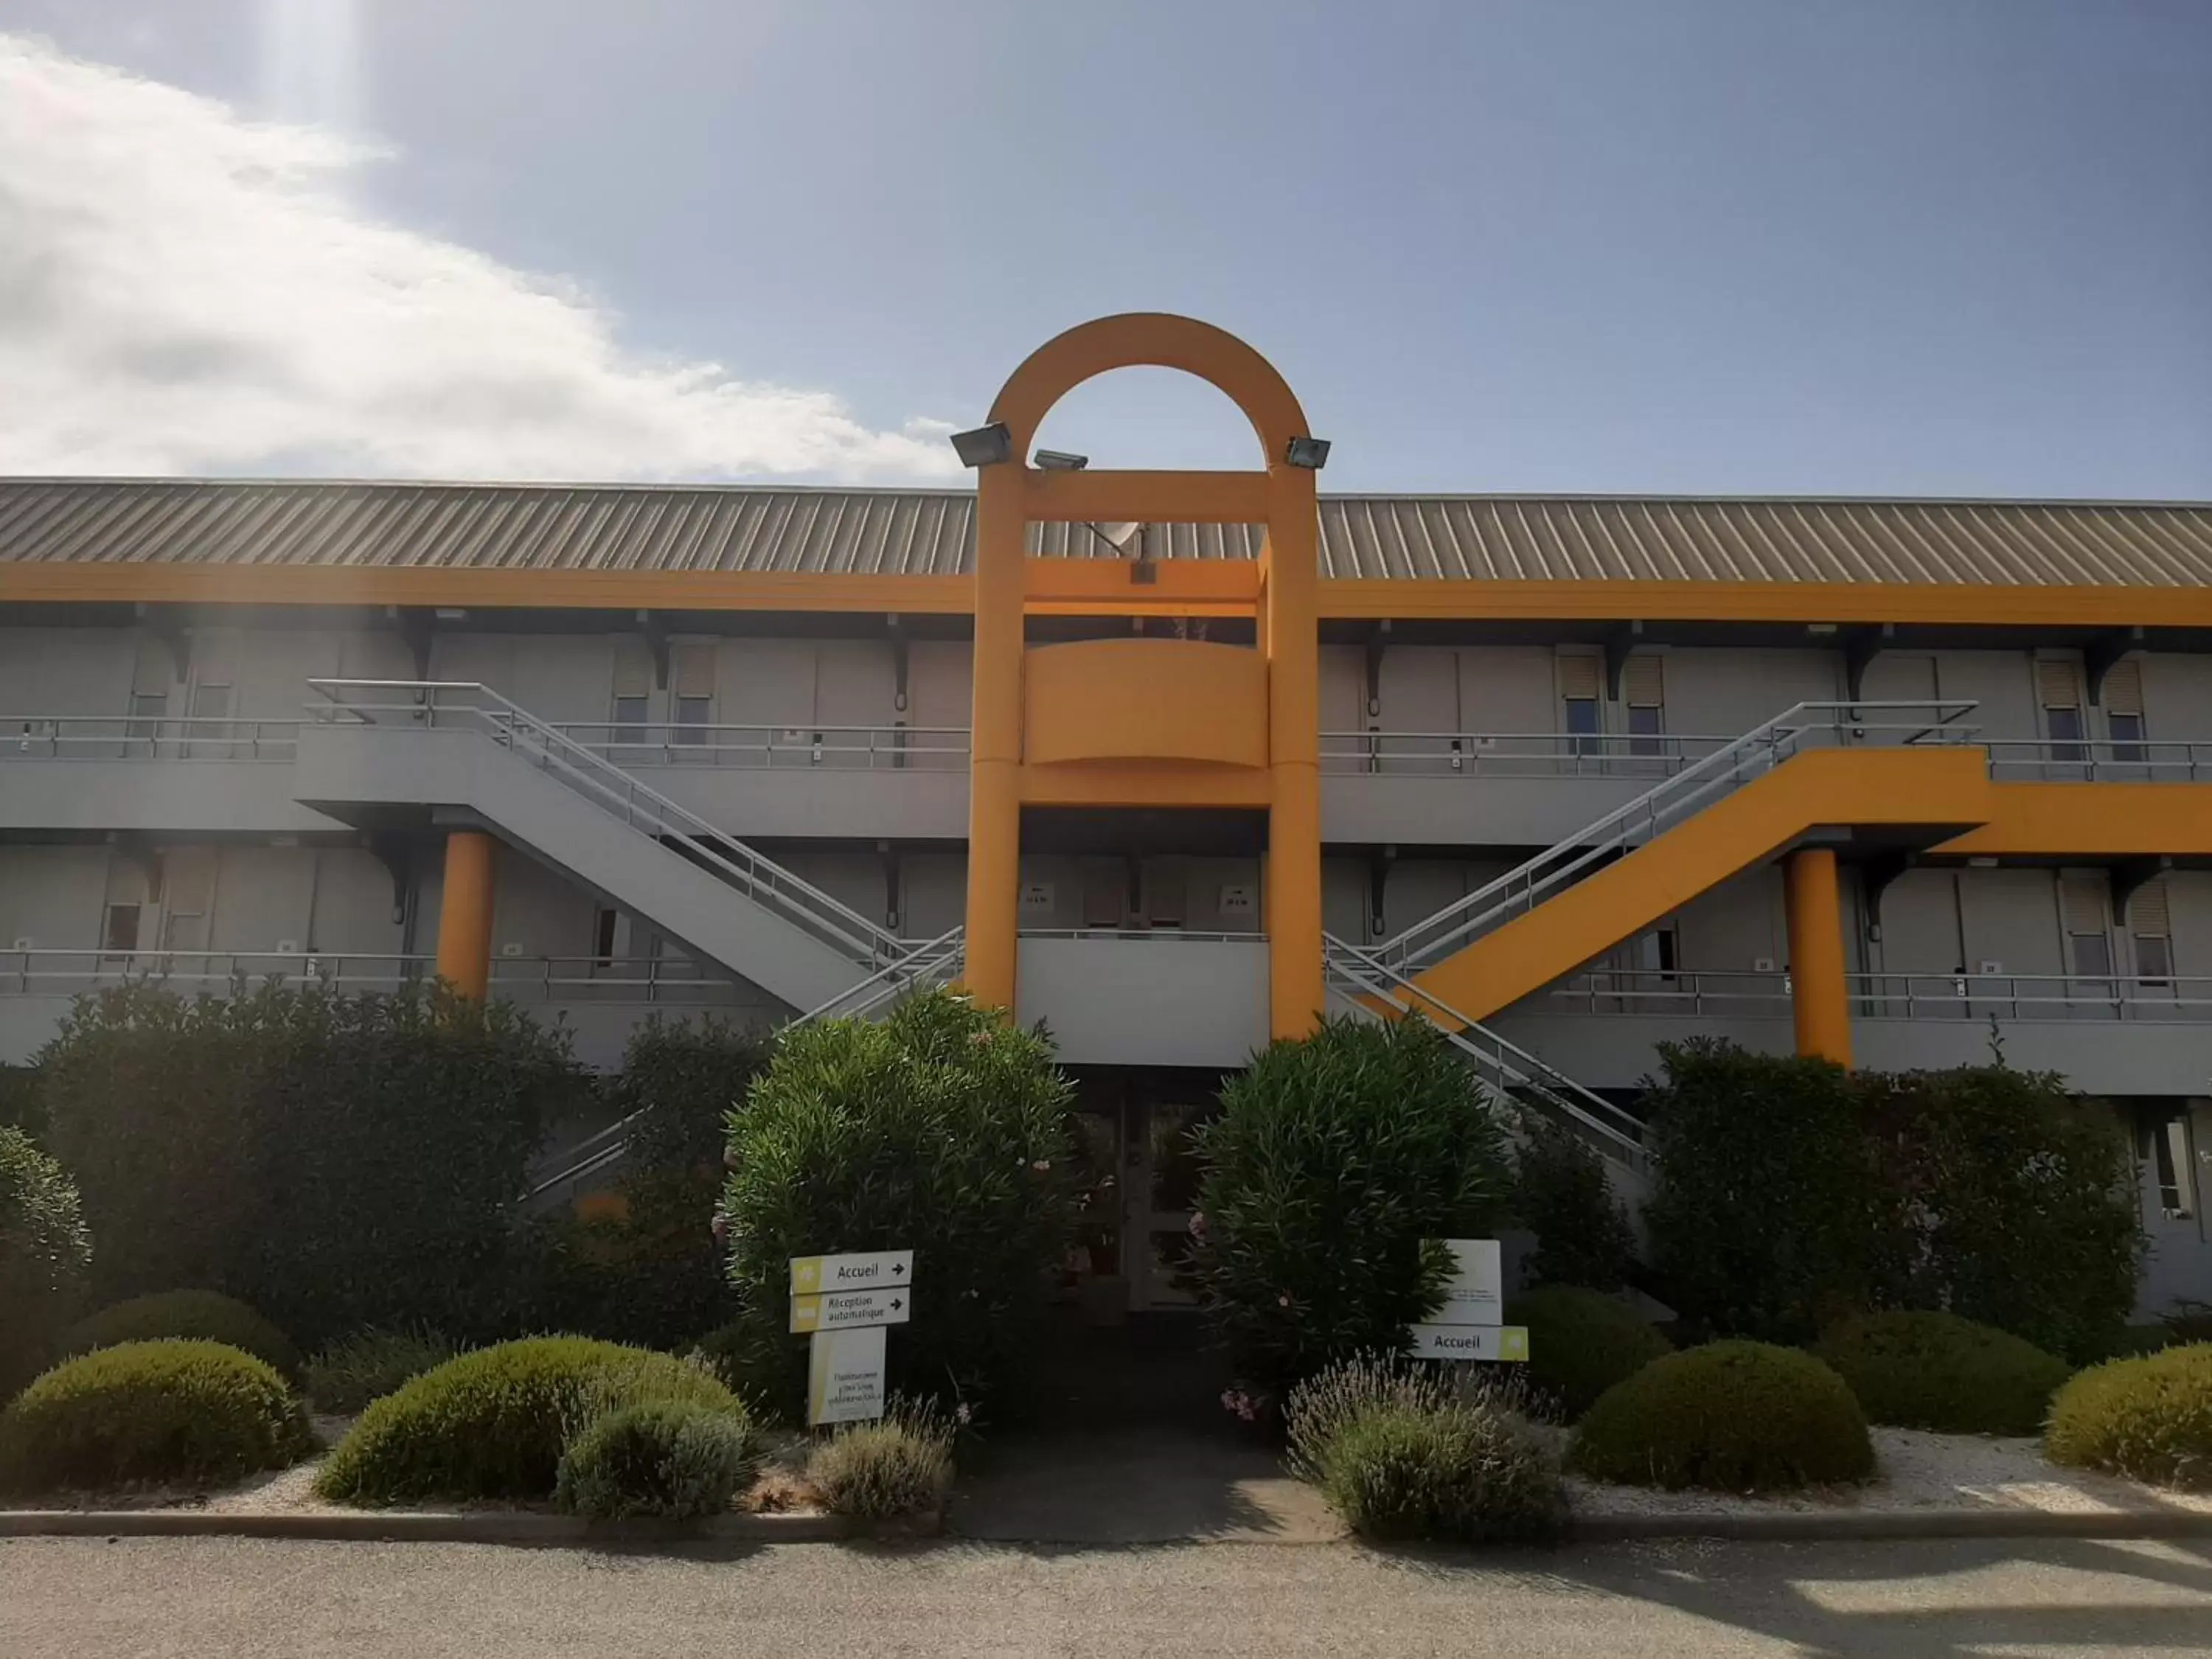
(932, 532)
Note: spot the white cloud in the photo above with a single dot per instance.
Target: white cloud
(183, 290)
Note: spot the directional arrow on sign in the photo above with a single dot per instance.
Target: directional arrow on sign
(845, 1310)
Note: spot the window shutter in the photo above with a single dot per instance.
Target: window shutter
(1578, 677)
(2057, 685)
(155, 671)
(694, 671)
(2082, 900)
(633, 670)
(1641, 686)
(2149, 911)
(2124, 688)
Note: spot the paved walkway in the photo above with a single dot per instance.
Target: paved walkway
(241, 1599)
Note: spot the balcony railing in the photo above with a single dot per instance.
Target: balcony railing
(1155, 935)
(61, 972)
(1514, 754)
(2060, 760)
(1725, 994)
(869, 747)
(148, 737)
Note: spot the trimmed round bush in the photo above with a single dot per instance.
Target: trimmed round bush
(667, 1458)
(879, 1471)
(166, 1411)
(369, 1365)
(199, 1316)
(1936, 1371)
(494, 1423)
(1581, 1343)
(44, 1251)
(1465, 1473)
(1732, 1417)
(2150, 1418)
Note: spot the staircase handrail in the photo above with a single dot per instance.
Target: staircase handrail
(760, 878)
(1768, 744)
(1509, 1065)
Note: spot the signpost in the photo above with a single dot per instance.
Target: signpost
(1469, 1325)
(844, 1302)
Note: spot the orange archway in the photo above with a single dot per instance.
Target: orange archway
(1281, 497)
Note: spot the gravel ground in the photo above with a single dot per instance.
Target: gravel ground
(1920, 1470)
(246, 1598)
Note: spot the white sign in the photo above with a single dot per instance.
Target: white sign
(1036, 898)
(1476, 1292)
(861, 1270)
(1470, 1341)
(1236, 901)
(844, 1310)
(845, 1376)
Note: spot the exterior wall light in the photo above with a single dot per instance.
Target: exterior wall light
(1059, 460)
(1311, 454)
(985, 445)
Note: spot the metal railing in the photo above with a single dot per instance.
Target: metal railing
(872, 748)
(1153, 935)
(146, 737)
(2098, 760)
(64, 971)
(1359, 980)
(1722, 992)
(933, 961)
(429, 705)
(1514, 754)
(1688, 792)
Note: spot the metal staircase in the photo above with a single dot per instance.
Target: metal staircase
(1697, 786)
(1367, 986)
(373, 742)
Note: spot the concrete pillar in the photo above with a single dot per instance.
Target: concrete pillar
(1820, 1000)
(1291, 635)
(464, 914)
(995, 783)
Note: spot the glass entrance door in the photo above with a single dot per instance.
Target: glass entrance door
(1160, 1190)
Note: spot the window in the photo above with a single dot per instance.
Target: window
(2175, 1168)
(2059, 687)
(2088, 939)
(602, 937)
(2123, 711)
(1583, 725)
(633, 690)
(119, 929)
(694, 670)
(2150, 926)
(629, 719)
(146, 708)
(1644, 690)
(693, 716)
(1579, 702)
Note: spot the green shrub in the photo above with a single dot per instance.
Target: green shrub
(202, 1315)
(164, 1411)
(652, 1273)
(493, 1423)
(1581, 1343)
(1767, 1219)
(1320, 1407)
(1733, 1417)
(879, 1471)
(937, 1130)
(21, 1106)
(2148, 1418)
(355, 1369)
(1936, 1371)
(1468, 1474)
(666, 1457)
(1334, 1159)
(336, 1161)
(2016, 1203)
(44, 1250)
(1561, 1194)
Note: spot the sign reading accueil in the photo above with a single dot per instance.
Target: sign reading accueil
(1469, 1324)
(862, 1270)
(1470, 1342)
(841, 1310)
(845, 1376)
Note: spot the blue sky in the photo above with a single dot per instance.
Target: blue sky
(1891, 246)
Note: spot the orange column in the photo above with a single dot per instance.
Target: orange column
(995, 799)
(1818, 999)
(1292, 638)
(464, 914)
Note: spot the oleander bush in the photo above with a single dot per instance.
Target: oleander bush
(900, 1465)
(675, 1458)
(1733, 1416)
(1560, 1193)
(46, 1251)
(347, 1374)
(937, 1129)
(1580, 1342)
(202, 1315)
(2150, 1418)
(1936, 1371)
(493, 1423)
(169, 1411)
(1337, 1162)
(335, 1161)
(1402, 1450)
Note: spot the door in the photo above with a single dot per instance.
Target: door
(1160, 1190)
